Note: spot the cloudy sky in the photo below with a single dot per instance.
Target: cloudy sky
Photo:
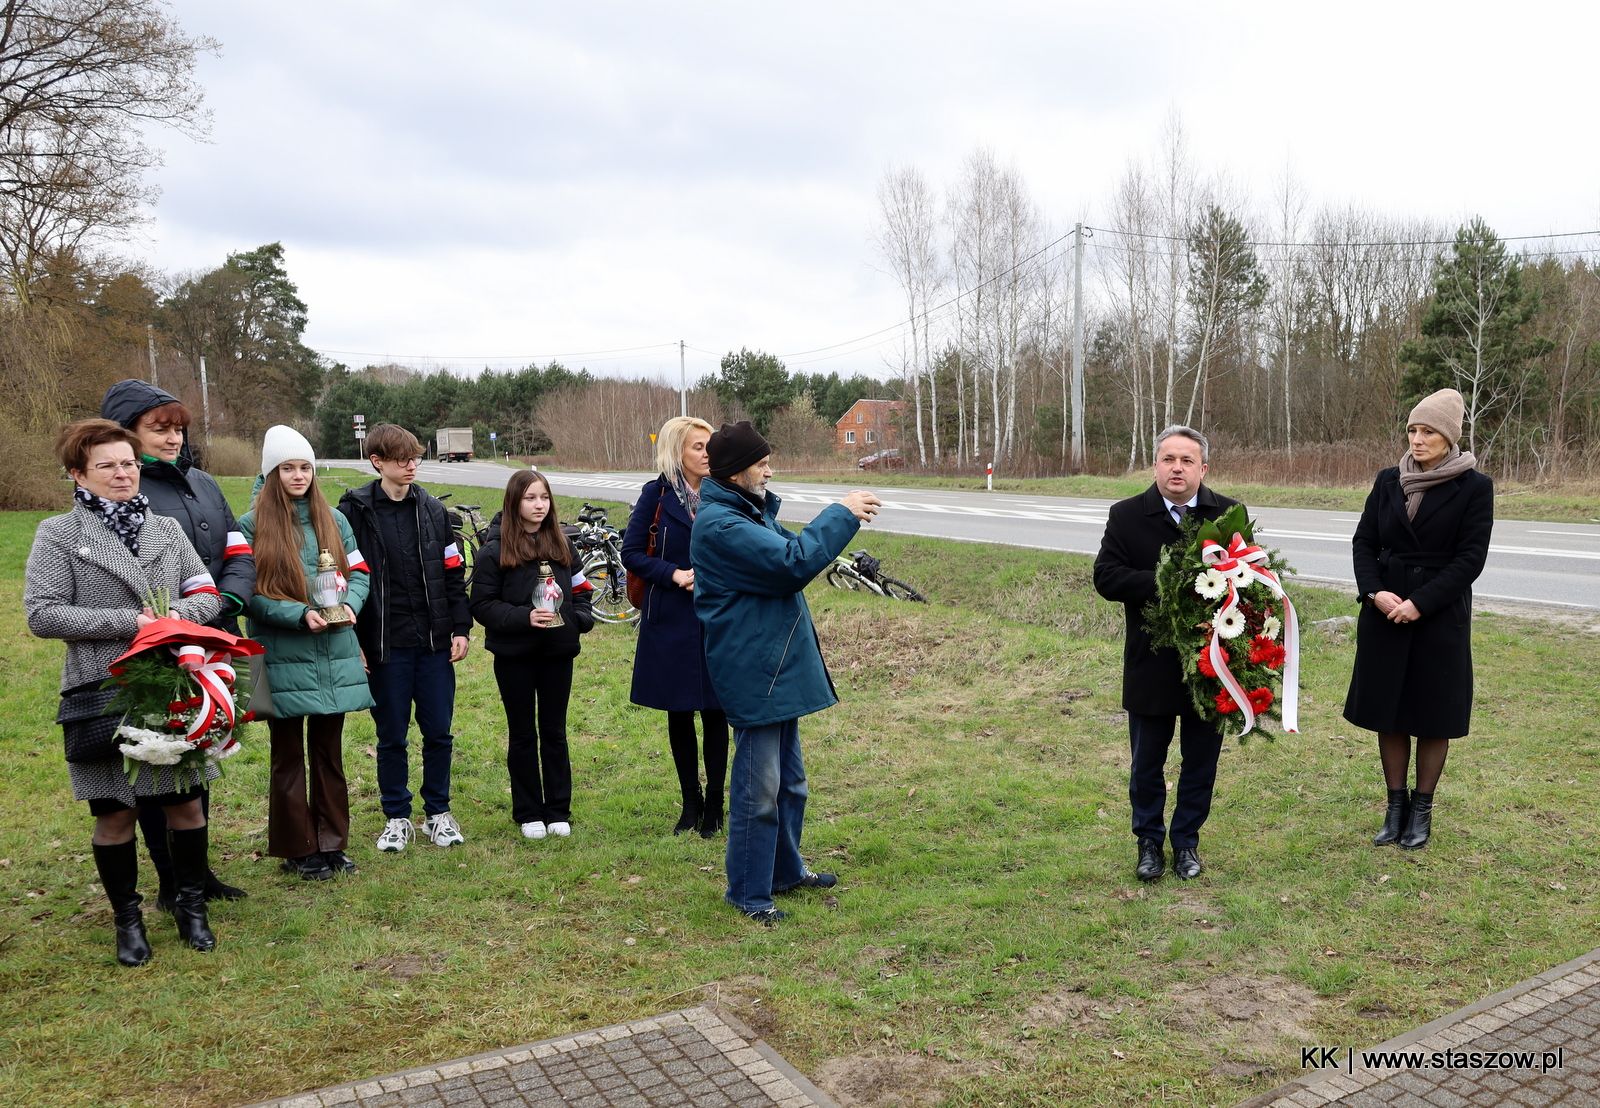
(484, 183)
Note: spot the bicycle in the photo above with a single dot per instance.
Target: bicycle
(598, 546)
(470, 528)
(860, 572)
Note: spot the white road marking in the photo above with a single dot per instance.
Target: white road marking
(1567, 534)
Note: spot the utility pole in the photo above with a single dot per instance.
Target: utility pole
(150, 336)
(683, 383)
(205, 401)
(1077, 350)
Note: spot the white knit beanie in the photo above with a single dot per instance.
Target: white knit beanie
(284, 444)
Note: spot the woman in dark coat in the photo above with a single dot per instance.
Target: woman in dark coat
(1421, 543)
(175, 488)
(669, 666)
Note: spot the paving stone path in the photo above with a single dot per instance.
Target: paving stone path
(1549, 1019)
(695, 1058)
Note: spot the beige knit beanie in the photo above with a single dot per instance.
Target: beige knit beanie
(1442, 411)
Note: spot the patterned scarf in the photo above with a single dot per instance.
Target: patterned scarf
(124, 517)
(690, 498)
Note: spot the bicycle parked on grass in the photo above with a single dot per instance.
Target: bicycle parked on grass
(471, 530)
(859, 571)
(598, 546)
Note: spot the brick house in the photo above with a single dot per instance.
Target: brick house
(868, 427)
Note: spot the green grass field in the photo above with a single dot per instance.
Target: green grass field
(989, 945)
(1574, 502)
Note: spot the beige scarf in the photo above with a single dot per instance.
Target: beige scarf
(1414, 480)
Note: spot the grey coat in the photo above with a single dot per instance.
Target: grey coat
(84, 586)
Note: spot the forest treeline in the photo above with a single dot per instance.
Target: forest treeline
(1296, 333)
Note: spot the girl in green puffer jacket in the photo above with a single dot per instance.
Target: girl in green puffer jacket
(314, 670)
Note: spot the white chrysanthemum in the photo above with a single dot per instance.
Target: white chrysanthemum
(1211, 584)
(152, 747)
(1230, 624)
(226, 752)
(1270, 627)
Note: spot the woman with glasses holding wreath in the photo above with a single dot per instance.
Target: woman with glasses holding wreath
(89, 577)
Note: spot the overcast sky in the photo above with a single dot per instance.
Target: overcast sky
(477, 180)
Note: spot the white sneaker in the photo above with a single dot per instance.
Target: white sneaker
(534, 830)
(561, 829)
(443, 830)
(397, 835)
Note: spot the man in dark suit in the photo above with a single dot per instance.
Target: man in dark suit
(1153, 691)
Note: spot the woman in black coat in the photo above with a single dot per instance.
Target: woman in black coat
(669, 666)
(533, 602)
(1421, 543)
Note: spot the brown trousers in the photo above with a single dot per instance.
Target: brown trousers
(296, 827)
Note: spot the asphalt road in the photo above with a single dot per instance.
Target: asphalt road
(1540, 563)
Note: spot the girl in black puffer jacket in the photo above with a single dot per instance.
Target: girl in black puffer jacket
(533, 602)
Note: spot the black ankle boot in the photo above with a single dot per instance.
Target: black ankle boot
(1394, 818)
(1419, 826)
(711, 820)
(218, 889)
(189, 869)
(119, 873)
(690, 817)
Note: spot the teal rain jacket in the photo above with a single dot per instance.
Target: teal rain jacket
(750, 573)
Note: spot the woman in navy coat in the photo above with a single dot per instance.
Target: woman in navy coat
(669, 667)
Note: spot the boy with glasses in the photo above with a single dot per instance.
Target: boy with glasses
(414, 628)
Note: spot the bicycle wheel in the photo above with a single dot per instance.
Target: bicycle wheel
(610, 597)
(899, 590)
(841, 578)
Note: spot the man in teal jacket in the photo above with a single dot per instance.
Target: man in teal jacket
(750, 573)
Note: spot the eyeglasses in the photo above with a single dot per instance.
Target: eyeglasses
(403, 463)
(109, 467)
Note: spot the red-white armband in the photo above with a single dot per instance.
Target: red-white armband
(199, 583)
(452, 557)
(580, 583)
(236, 545)
(358, 563)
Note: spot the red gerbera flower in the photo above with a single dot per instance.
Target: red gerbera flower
(1205, 661)
(1264, 651)
(1260, 699)
(1225, 703)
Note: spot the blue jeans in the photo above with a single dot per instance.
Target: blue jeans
(1150, 739)
(426, 678)
(766, 806)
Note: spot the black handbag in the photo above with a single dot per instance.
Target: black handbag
(87, 733)
(260, 690)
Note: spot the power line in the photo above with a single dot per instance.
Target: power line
(1414, 242)
(527, 358)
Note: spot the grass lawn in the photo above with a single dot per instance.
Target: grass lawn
(1572, 502)
(989, 944)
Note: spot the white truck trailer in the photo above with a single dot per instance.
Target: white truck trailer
(455, 444)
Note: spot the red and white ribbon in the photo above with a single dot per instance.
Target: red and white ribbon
(1240, 560)
(212, 671)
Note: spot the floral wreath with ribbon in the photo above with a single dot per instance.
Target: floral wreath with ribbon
(1220, 603)
(177, 693)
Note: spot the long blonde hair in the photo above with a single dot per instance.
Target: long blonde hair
(669, 444)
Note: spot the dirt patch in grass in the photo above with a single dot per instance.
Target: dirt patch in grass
(889, 1081)
(1244, 1015)
(749, 1000)
(405, 965)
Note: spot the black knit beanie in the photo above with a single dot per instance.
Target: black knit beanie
(736, 448)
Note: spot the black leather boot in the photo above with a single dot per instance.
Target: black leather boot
(1419, 826)
(711, 819)
(218, 889)
(119, 873)
(189, 869)
(1394, 818)
(693, 806)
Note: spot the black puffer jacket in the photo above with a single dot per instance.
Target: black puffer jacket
(443, 572)
(502, 600)
(193, 498)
